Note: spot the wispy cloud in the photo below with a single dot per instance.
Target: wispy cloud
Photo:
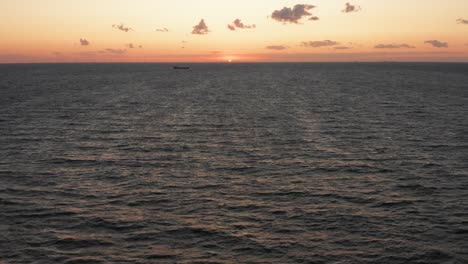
(294, 14)
(319, 44)
(122, 27)
(276, 47)
(84, 42)
(201, 28)
(394, 46)
(462, 21)
(238, 24)
(342, 47)
(349, 8)
(437, 43)
(162, 30)
(114, 51)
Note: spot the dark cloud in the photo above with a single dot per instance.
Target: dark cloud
(201, 28)
(122, 28)
(84, 42)
(462, 21)
(162, 30)
(394, 46)
(114, 51)
(437, 44)
(238, 24)
(342, 48)
(276, 47)
(318, 44)
(349, 8)
(293, 15)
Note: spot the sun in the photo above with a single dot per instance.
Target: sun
(229, 59)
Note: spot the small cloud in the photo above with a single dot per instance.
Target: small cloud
(84, 42)
(462, 21)
(437, 44)
(276, 47)
(238, 24)
(349, 8)
(162, 30)
(201, 28)
(394, 46)
(342, 48)
(293, 15)
(131, 46)
(318, 44)
(122, 28)
(114, 51)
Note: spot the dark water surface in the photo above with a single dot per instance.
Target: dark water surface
(253, 163)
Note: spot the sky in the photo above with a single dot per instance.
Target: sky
(233, 31)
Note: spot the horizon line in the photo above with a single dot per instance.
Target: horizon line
(227, 63)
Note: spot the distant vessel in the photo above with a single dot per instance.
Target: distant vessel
(181, 67)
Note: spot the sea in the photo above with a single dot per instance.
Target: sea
(234, 163)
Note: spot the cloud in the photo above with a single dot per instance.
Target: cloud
(462, 21)
(114, 51)
(122, 28)
(293, 15)
(342, 48)
(318, 44)
(276, 47)
(201, 28)
(131, 46)
(394, 46)
(162, 30)
(238, 24)
(84, 42)
(437, 44)
(349, 8)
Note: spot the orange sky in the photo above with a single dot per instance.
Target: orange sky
(51, 30)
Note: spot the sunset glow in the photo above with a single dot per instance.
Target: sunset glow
(233, 31)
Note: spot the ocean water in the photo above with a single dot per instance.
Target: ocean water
(234, 163)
